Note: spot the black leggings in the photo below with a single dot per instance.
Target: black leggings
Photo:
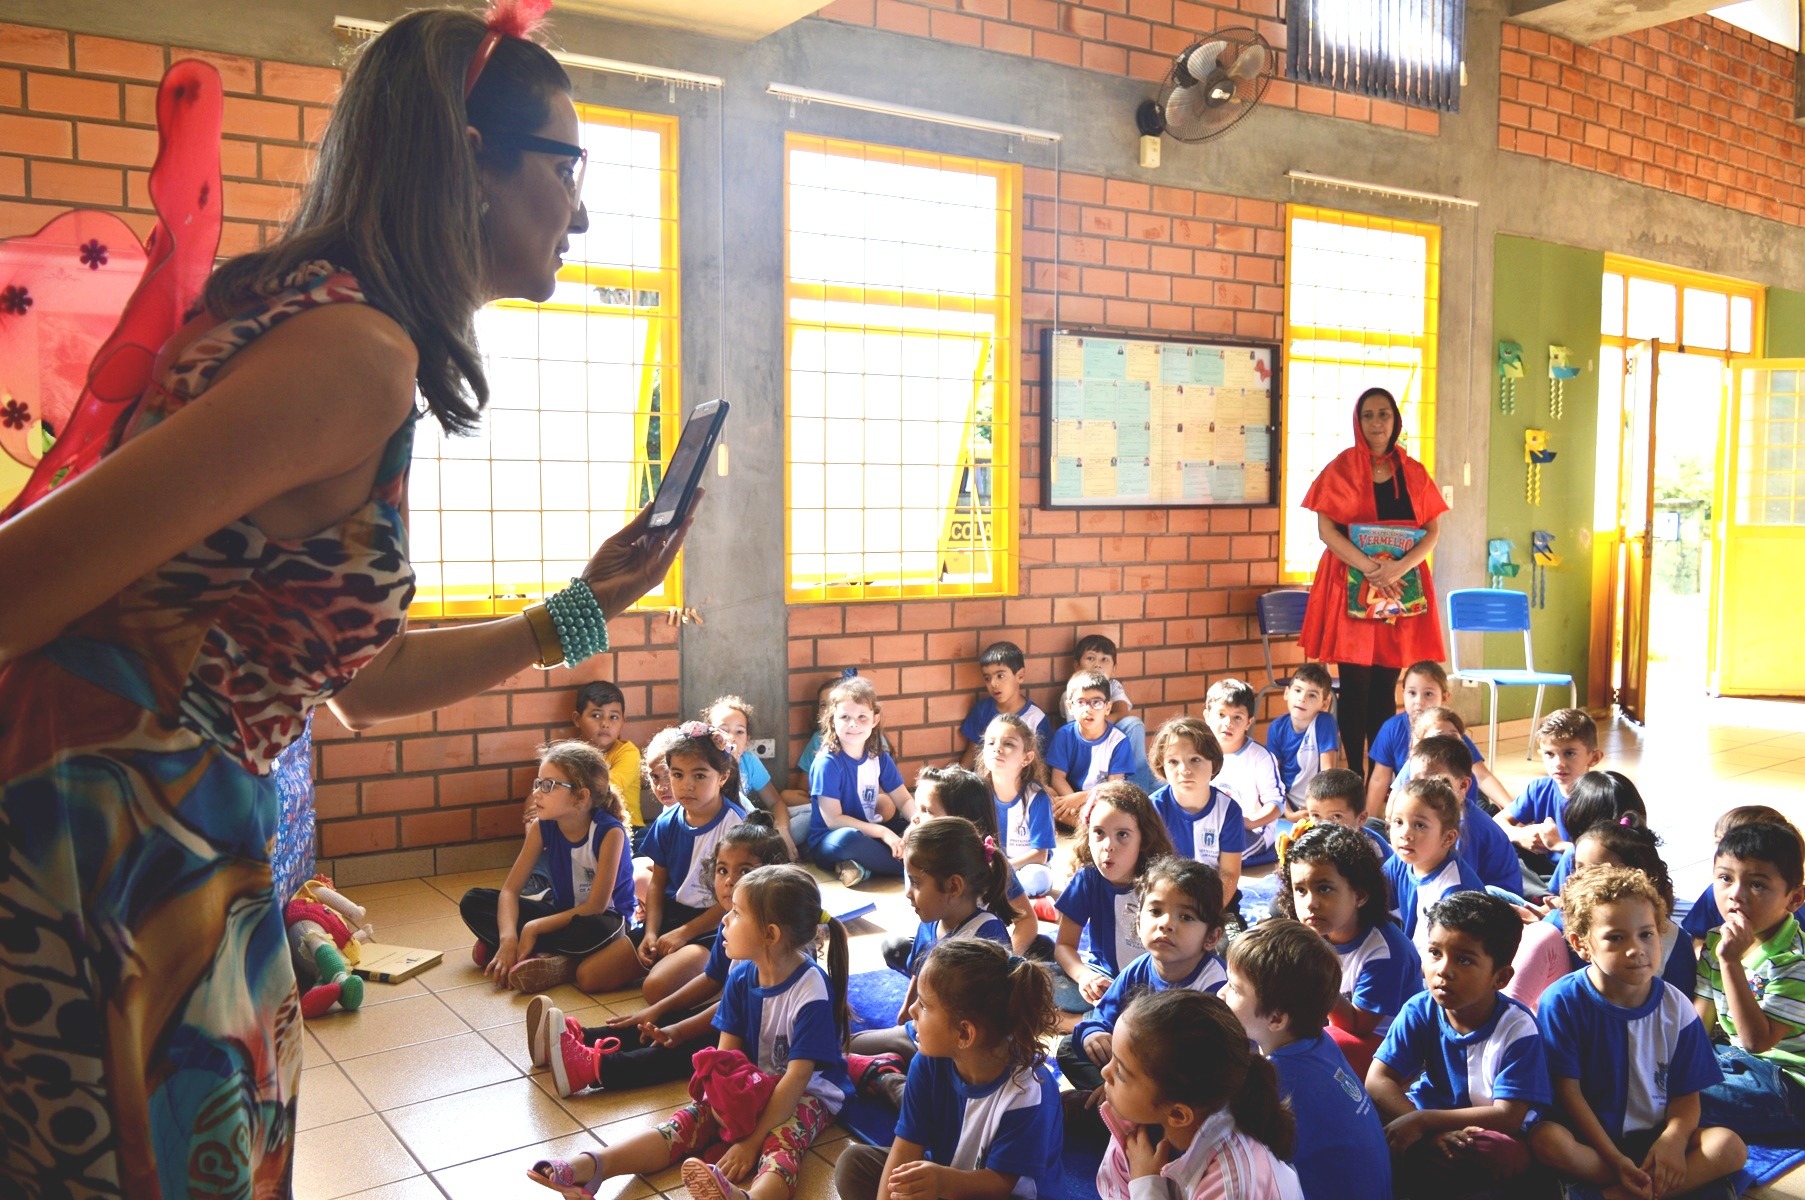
(582, 937)
(640, 1063)
(1368, 700)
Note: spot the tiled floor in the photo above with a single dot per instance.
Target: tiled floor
(427, 1091)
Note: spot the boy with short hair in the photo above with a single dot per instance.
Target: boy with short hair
(1425, 687)
(1305, 740)
(1249, 772)
(1087, 750)
(1094, 652)
(1005, 671)
(1751, 983)
(600, 713)
(1283, 981)
(1471, 1058)
(1482, 842)
(1336, 797)
(1567, 740)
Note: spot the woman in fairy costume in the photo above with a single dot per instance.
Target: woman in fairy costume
(236, 555)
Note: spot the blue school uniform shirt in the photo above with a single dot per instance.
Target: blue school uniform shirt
(1108, 915)
(1142, 975)
(1251, 776)
(1340, 1147)
(1679, 967)
(805, 762)
(1504, 1059)
(571, 866)
(1541, 800)
(683, 851)
(1379, 972)
(1381, 846)
(1299, 752)
(1413, 895)
(985, 711)
(1026, 823)
(1629, 1061)
(983, 924)
(794, 1019)
(1488, 849)
(1703, 917)
(1207, 835)
(855, 782)
(753, 776)
(1087, 763)
(1391, 747)
(1012, 1125)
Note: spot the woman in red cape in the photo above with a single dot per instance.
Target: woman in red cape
(1371, 482)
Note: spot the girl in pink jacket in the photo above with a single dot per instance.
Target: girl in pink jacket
(1193, 1112)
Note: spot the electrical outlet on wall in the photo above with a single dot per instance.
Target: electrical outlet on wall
(764, 747)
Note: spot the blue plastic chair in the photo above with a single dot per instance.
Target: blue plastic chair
(1281, 615)
(1499, 610)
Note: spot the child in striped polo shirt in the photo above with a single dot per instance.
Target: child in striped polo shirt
(1751, 984)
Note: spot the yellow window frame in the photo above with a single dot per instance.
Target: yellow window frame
(1426, 345)
(659, 368)
(997, 350)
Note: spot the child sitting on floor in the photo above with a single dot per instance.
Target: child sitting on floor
(1463, 1065)
(956, 792)
(1425, 687)
(980, 1110)
(1193, 1111)
(1703, 917)
(1016, 775)
(733, 717)
(1204, 822)
(787, 1016)
(1180, 923)
(1282, 983)
(1249, 772)
(1086, 751)
(1004, 671)
(1122, 835)
(1628, 1055)
(1338, 797)
(1331, 882)
(1425, 826)
(1567, 740)
(958, 884)
(1305, 740)
(859, 807)
(1482, 844)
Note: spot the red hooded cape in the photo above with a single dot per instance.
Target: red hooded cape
(1344, 494)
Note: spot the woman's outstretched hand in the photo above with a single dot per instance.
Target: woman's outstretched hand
(632, 562)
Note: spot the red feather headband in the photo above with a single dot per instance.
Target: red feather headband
(505, 18)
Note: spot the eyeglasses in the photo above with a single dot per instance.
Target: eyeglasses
(1092, 702)
(545, 786)
(538, 145)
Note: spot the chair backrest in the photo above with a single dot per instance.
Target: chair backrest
(1282, 613)
(1488, 610)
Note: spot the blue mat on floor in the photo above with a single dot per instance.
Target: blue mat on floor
(1768, 1163)
(1257, 895)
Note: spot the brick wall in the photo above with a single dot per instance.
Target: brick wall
(1174, 588)
(78, 128)
(1137, 38)
(1695, 107)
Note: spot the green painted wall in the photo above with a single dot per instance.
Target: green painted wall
(1544, 294)
(1785, 323)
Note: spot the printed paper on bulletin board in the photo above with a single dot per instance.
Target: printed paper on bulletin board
(1157, 422)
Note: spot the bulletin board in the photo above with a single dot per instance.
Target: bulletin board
(1142, 422)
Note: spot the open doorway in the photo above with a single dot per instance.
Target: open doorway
(1667, 340)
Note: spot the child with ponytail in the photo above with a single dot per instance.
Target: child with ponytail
(859, 807)
(1010, 764)
(1191, 1104)
(956, 792)
(788, 1017)
(980, 1111)
(958, 883)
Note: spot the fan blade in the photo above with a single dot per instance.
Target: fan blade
(1249, 63)
(1202, 60)
(1183, 106)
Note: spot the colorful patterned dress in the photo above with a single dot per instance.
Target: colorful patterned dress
(151, 1041)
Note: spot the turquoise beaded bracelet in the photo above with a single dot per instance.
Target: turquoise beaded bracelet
(582, 629)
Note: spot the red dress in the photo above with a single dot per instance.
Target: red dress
(1344, 494)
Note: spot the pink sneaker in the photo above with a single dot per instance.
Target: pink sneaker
(576, 1066)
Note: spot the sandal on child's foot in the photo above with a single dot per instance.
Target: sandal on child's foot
(705, 1182)
(560, 1174)
(544, 1022)
(542, 972)
(851, 874)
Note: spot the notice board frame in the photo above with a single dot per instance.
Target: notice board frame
(1049, 449)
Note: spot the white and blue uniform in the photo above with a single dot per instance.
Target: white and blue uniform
(1142, 975)
(571, 866)
(1340, 1147)
(683, 850)
(1542, 800)
(1391, 747)
(1205, 835)
(1679, 960)
(983, 924)
(1629, 1061)
(855, 782)
(1012, 1125)
(1381, 847)
(985, 711)
(1087, 763)
(794, 1019)
(1501, 1060)
(1299, 752)
(1027, 823)
(1251, 776)
(718, 964)
(1413, 895)
(1379, 972)
(753, 778)
(1110, 917)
